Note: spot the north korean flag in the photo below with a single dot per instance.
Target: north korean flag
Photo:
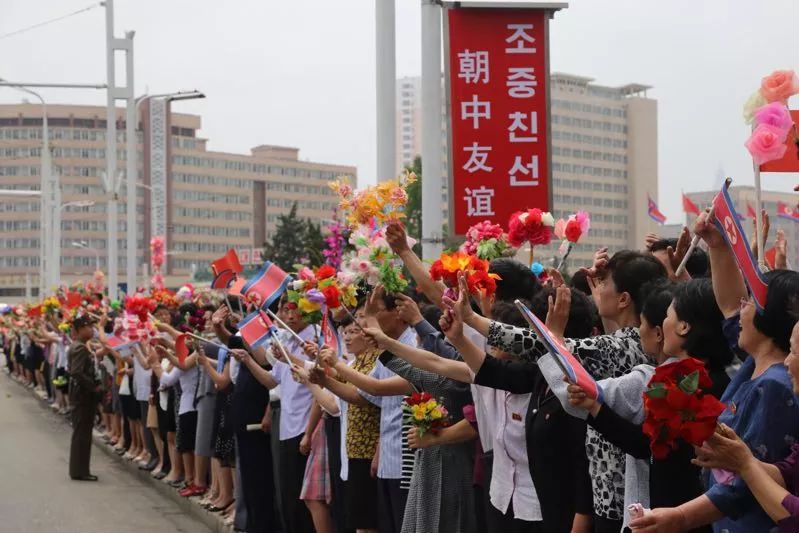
(729, 225)
(569, 365)
(267, 285)
(786, 211)
(256, 328)
(654, 212)
(229, 261)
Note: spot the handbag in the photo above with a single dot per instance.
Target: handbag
(152, 417)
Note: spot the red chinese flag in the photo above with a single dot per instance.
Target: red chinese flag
(229, 261)
(729, 224)
(238, 285)
(688, 206)
(790, 161)
(750, 211)
(180, 348)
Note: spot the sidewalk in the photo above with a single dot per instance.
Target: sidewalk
(188, 505)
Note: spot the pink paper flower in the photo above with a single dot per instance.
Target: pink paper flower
(775, 114)
(766, 144)
(584, 220)
(560, 228)
(779, 85)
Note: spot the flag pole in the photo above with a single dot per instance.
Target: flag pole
(283, 324)
(691, 248)
(761, 254)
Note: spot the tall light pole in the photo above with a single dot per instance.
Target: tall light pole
(56, 252)
(112, 182)
(131, 174)
(386, 97)
(432, 154)
(85, 246)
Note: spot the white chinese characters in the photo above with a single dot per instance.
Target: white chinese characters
(475, 110)
(473, 66)
(478, 202)
(478, 155)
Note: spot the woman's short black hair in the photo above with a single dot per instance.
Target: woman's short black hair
(579, 281)
(517, 280)
(508, 313)
(776, 321)
(657, 296)
(697, 265)
(431, 314)
(630, 270)
(582, 313)
(695, 303)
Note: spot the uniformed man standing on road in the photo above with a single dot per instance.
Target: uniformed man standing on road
(83, 395)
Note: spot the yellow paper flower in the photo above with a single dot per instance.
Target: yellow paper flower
(308, 306)
(436, 414)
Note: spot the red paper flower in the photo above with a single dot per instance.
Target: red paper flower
(325, 271)
(533, 226)
(332, 297)
(573, 232)
(478, 278)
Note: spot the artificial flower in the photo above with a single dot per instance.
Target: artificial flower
(766, 144)
(487, 241)
(753, 103)
(533, 226)
(779, 86)
(307, 306)
(325, 272)
(332, 296)
(776, 115)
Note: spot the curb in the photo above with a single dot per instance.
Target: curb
(187, 505)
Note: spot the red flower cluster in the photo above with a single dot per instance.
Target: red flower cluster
(531, 226)
(332, 296)
(418, 398)
(677, 406)
(324, 272)
(478, 278)
(140, 305)
(573, 231)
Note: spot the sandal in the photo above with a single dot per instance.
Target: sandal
(216, 509)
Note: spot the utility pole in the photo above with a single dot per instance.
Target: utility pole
(112, 181)
(432, 153)
(386, 80)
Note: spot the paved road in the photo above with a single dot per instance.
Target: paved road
(37, 495)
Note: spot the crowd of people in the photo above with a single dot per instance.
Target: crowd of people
(299, 436)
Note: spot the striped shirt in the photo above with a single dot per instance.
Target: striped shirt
(392, 440)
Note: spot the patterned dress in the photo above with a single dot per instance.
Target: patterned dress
(604, 356)
(432, 504)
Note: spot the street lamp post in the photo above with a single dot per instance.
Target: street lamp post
(85, 246)
(131, 174)
(56, 251)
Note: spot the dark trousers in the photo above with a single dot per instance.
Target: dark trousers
(80, 449)
(296, 516)
(333, 433)
(391, 500)
(255, 459)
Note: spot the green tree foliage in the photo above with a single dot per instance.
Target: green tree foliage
(296, 241)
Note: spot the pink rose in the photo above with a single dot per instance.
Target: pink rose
(779, 85)
(766, 144)
(560, 228)
(399, 196)
(775, 114)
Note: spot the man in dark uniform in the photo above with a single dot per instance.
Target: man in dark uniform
(83, 395)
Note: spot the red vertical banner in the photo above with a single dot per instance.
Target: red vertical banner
(499, 129)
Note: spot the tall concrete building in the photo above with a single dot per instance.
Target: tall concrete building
(213, 200)
(744, 196)
(604, 157)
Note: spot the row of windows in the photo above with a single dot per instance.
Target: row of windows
(588, 154)
(75, 134)
(301, 204)
(19, 225)
(198, 179)
(204, 247)
(589, 124)
(590, 108)
(589, 139)
(596, 218)
(324, 190)
(189, 264)
(19, 242)
(589, 201)
(589, 171)
(19, 207)
(217, 231)
(204, 196)
(257, 168)
(195, 212)
(591, 186)
(18, 262)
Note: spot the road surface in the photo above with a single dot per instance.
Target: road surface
(37, 495)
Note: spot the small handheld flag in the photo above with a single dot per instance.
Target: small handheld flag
(689, 206)
(729, 225)
(787, 212)
(330, 336)
(256, 328)
(654, 212)
(569, 365)
(267, 285)
(118, 344)
(223, 280)
(229, 261)
(181, 349)
(750, 212)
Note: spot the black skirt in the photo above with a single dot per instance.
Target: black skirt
(187, 432)
(361, 495)
(224, 443)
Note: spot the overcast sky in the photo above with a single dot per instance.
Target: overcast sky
(301, 72)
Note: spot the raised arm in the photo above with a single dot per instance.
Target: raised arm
(261, 374)
(393, 386)
(398, 240)
(728, 283)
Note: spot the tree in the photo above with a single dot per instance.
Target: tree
(413, 211)
(296, 241)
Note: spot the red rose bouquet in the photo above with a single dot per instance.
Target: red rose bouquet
(424, 412)
(448, 266)
(678, 406)
(533, 226)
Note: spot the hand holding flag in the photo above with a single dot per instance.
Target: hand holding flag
(267, 285)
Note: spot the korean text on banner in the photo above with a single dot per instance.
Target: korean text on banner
(498, 72)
